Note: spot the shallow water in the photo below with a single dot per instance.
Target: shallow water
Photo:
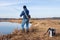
(8, 27)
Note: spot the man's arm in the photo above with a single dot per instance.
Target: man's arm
(21, 14)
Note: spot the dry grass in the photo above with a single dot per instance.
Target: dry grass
(36, 31)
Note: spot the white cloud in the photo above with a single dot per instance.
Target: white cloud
(7, 4)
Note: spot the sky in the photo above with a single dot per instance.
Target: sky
(37, 8)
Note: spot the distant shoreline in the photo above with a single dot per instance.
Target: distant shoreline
(31, 18)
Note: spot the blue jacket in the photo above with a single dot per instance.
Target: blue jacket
(23, 14)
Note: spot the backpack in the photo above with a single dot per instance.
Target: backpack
(29, 16)
(52, 32)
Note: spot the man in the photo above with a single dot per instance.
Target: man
(25, 20)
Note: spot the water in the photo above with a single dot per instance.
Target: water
(8, 27)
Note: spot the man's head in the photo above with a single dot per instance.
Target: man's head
(24, 7)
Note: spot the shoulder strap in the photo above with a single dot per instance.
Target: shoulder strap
(26, 14)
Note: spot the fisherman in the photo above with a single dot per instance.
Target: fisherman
(26, 17)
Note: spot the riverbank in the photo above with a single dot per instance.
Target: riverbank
(36, 31)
